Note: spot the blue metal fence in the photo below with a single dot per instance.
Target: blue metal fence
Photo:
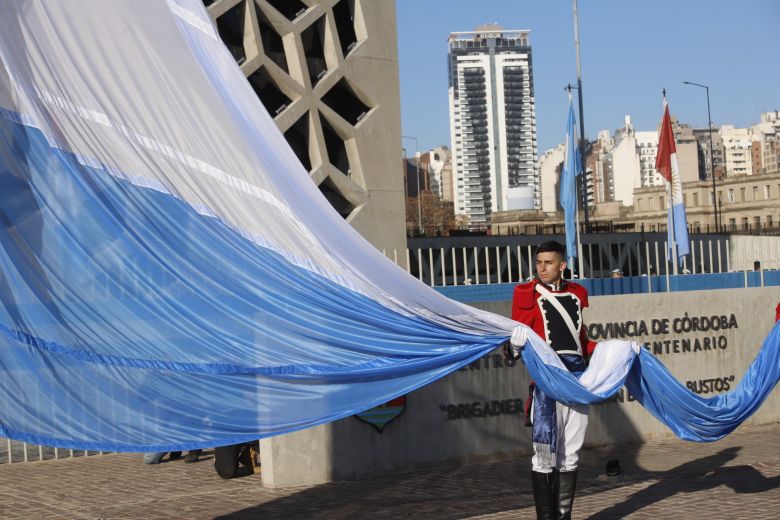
(626, 285)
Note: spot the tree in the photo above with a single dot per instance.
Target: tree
(438, 216)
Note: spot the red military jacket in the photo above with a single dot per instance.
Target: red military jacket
(527, 309)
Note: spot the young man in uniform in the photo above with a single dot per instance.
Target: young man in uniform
(552, 307)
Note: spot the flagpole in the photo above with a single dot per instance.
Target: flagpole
(670, 231)
(578, 243)
(670, 219)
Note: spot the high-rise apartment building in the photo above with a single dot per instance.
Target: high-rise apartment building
(624, 169)
(767, 136)
(598, 163)
(647, 148)
(492, 123)
(737, 144)
(703, 137)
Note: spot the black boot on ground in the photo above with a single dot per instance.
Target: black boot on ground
(567, 481)
(545, 494)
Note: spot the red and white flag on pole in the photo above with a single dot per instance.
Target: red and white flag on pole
(667, 166)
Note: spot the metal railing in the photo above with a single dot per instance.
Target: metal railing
(501, 259)
(16, 451)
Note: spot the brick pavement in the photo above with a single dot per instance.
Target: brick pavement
(737, 477)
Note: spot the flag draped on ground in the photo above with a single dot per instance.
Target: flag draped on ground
(568, 188)
(170, 277)
(667, 165)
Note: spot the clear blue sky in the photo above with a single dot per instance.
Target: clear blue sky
(630, 51)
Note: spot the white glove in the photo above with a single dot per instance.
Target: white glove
(519, 339)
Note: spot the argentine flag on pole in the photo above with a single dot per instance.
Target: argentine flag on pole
(666, 164)
(568, 193)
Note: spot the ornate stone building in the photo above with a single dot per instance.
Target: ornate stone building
(745, 203)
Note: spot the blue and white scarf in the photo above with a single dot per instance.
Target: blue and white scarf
(544, 433)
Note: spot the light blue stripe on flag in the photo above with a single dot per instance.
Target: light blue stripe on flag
(568, 190)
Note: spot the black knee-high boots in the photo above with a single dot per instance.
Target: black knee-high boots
(567, 481)
(545, 494)
(554, 494)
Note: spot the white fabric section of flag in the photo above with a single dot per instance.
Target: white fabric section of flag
(677, 193)
(137, 123)
(609, 364)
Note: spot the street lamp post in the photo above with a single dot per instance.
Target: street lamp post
(712, 161)
(417, 174)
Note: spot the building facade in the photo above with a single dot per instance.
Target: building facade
(706, 159)
(492, 123)
(597, 162)
(624, 168)
(647, 148)
(687, 151)
(550, 167)
(737, 147)
(327, 72)
(745, 203)
(441, 171)
(766, 144)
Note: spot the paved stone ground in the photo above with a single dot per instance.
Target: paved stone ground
(737, 477)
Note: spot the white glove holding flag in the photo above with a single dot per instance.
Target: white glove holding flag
(516, 342)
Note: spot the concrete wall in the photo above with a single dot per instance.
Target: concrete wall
(744, 250)
(433, 430)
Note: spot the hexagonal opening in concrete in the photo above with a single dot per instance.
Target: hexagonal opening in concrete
(337, 151)
(298, 138)
(291, 9)
(272, 41)
(230, 27)
(344, 15)
(273, 99)
(343, 100)
(339, 203)
(313, 39)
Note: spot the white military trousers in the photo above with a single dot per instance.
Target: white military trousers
(571, 424)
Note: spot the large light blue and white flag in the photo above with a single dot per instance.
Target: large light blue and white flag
(171, 278)
(568, 189)
(667, 166)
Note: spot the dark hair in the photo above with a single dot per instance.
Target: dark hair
(551, 246)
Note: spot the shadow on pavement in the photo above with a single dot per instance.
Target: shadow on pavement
(470, 491)
(693, 476)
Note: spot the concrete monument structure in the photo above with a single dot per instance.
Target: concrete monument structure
(327, 72)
